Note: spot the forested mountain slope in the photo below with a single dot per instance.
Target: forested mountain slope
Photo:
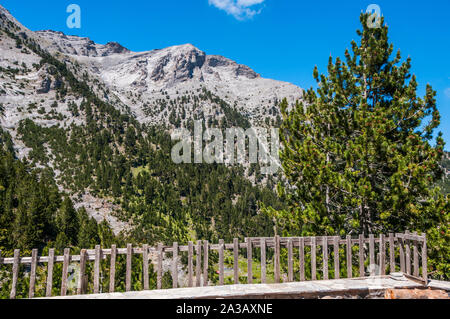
(70, 131)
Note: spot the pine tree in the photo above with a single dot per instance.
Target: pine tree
(358, 153)
(68, 223)
(88, 232)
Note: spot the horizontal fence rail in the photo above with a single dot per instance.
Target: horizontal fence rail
(265, 259)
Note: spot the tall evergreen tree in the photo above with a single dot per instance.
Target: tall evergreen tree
(358, 153)
(68, 223)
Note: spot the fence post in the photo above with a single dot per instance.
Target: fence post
(236, 260)
(336, 257)
(221, 257)
(81, 289)
(64, 272)
(97, 269)
(128, 270)
(408, 255)
(205, 263)
(391, 253)
(277, 259)
(15, 274)
(198, 263)
(325, 257)
(362, 270)
(372, 254)
(349, 257)
(424, 259)
(112, 268)
(382, 256)
(34, 256)
(301, 257)
(263, 260)
(402, 254)
(159, 268)
(190, 263)
(290, 262)
(416, 259)
(249, 261)
(145, 266)
(175, 265)
(313, 258)
(51, 261)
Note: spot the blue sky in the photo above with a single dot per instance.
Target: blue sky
(280, 39)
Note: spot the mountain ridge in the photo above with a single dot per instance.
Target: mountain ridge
(99, 125)
(142, 78)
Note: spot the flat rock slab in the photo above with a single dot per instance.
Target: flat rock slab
(359, 287)
(438, 284)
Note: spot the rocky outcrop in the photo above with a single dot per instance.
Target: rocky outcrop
(45, 86)
(73, 45)
(114, 48)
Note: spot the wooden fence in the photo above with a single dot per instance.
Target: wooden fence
(403, 248)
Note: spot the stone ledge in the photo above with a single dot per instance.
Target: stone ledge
(367, 287)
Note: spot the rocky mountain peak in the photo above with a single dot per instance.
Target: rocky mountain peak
(177, 63)
(7, 21)
(116, 48)
(78, 46)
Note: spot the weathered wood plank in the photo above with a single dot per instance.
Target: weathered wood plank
(313, 258)
(362, 271)
(325, 257)
(391, 253)
(15, 274)
(175, 265)
(408, 236)
(349, 256)
(145, 266)
(81, 289)
(249, 261)
(236, 260)
(382, 255)
(408, 257)
(336, 258)
(65, 270)
(112, 268)
(263, 260)
(97, 269)
(290, 261)
(128, 267)
(372, 255)
(301, 257)
(159, 267)
(424, 260)
(416, 259)
(34, 255)
(198, 264)
(402, 255)
(51, 262)
(221, 261)
(190, 263)
(277, 259)
(205, 262)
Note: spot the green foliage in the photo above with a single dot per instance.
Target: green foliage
(444, 184)
(357, 154)
(33, 213)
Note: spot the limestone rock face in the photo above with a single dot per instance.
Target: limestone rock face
(170, 86)
(58, 41)
(141, 80)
